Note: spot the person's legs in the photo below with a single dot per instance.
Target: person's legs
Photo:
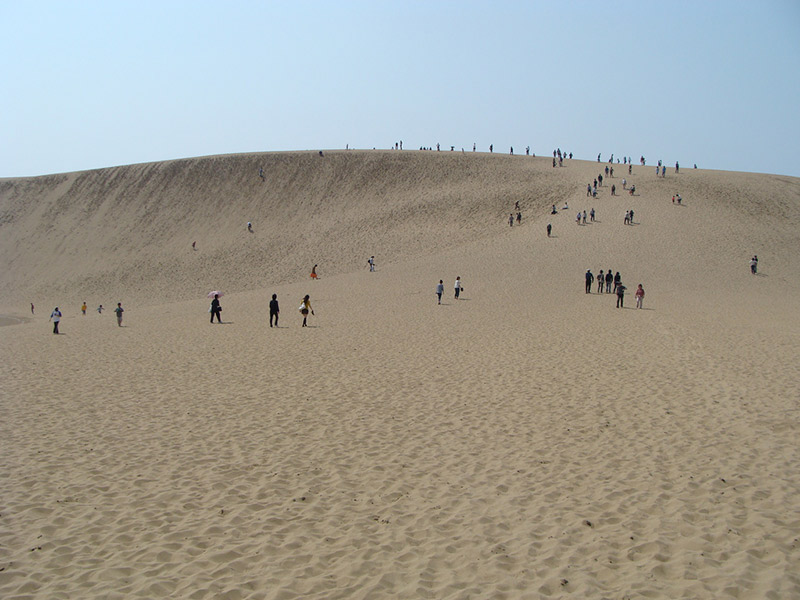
(440, 297)
(304, 321)
(55, 326)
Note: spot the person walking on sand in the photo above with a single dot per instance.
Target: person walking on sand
(511, 220)
(600, 282)
(83, 309)
(100, 310)
(314, 272)
(305, 308)
(119, 310)
(31, 307)
(249, 227)
(216, 309)
(754, 265)
(371, 263)
(274, 310)
(620, 290)
(609, 281)
(589, 281)
(440, 290)
(458, 287)
(639, 296)
(549, 229)
(55, 317)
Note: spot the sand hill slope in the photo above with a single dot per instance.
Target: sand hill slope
(527, 440)
(128, 231)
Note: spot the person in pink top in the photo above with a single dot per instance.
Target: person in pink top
(639, 296)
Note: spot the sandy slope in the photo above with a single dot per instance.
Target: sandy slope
(525, 441)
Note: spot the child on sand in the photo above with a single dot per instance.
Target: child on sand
(83, 308)
(314, 272)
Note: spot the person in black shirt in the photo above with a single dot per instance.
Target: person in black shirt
(215, 308)
(274, 310)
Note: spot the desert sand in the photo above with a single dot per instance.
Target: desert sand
(527, 440)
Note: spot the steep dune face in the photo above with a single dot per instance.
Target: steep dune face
(131, 228)
(128, 231)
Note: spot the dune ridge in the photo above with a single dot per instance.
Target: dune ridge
(527, 440)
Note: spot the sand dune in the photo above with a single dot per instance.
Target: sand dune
(525, 441)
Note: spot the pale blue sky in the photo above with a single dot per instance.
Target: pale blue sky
(97, 84)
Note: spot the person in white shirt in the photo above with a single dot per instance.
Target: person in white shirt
(458, 287)
(55, 317)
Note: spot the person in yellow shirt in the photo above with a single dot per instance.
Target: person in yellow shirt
(83, 309)
(305, 308)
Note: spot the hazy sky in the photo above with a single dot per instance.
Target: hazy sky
(96, 84)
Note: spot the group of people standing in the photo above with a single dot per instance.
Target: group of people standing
(606, 280)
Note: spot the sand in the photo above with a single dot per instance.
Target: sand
(525, 441)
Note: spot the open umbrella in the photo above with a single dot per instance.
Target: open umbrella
(215, 293)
